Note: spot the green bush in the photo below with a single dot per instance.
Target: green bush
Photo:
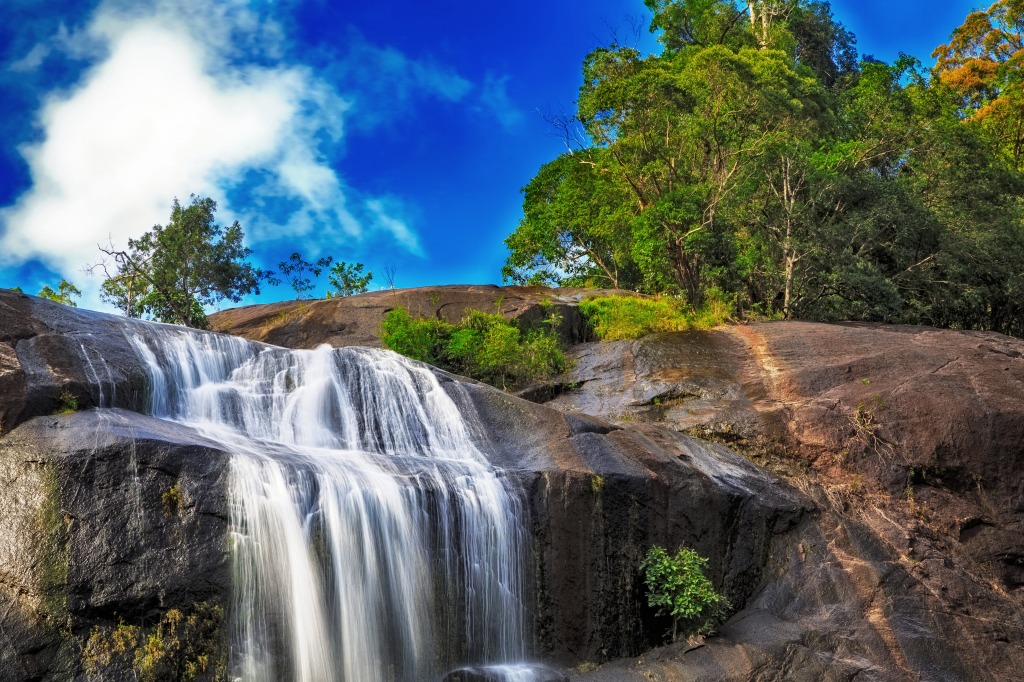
(414, 337)
(484, 346)
(615, 318)
(678, 587)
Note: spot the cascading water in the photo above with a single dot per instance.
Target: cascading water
(371, 538)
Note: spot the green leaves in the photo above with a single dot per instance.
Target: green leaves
(301, 274)
(483, 346)
(347, 279)
(676, 584)
(173, 272)
(66, 293)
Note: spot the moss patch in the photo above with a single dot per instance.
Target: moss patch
(54, 551)
(172, 499)
(185, 645)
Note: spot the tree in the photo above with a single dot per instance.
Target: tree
(127, 291)
(984, 65)
(676, 584)
(575, 229)
(301, 274)
(65, 293)
(682, 133)
(347, 279)
(172, 272)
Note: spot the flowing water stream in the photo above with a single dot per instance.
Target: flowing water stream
(371, 539)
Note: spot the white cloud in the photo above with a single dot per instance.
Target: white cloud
(377, 74)
(32, 60)
(166, 111)
(494, 98)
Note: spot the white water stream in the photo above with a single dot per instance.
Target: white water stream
(371, 539)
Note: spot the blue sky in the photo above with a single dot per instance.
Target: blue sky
(392, 133)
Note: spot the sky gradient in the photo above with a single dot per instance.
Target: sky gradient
(395, 134)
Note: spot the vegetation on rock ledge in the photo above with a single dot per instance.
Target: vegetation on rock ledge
(616, 318)
(484, 346)
(678, 587)
(180, 647)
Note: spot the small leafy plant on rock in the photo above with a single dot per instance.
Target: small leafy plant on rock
(68, 403)
(678, 587)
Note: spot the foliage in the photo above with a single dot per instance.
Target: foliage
(678, 587)
(573, 228)
(484, 346)
(183, 646)
(347, 279)
(172, 272)
(755, 157)
(68, 403)
(65, 293)
(301, 274)
(983, 64)
(614, 318)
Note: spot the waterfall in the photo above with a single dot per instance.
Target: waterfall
(371, 539)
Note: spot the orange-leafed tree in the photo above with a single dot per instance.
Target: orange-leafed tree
(984, 65)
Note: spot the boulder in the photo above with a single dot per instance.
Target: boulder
(910, 441)
(355, 320)
(107, 517)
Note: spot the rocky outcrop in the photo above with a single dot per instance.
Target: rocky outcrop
(54, 357)
(874, 543)
(600, 496)
(113, 520)
(107, 517)
(911, 443)
(356, 320)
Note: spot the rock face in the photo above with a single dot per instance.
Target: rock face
(110, 519)
(911, 443)
(356, 320)
(878, 541)
(107, 516)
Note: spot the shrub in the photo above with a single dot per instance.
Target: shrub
(484, 346)
(416, 338)
(616, 318)
(68, 403)
(678, 587)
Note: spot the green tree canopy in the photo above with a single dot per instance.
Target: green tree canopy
(347, 279)
(66, 293)
(172, 272)
(756, 159)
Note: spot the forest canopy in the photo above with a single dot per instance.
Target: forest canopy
(755, 159)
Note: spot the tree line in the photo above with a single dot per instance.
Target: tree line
(757, 160)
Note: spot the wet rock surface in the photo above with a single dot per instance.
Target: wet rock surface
(879, 539)
(106, 516)
(54, 357)
(909, 441)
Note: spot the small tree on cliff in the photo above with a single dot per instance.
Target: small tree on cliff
(180, 268)
(678, 587)
(301, 274)
(347, 279)
(66, 293)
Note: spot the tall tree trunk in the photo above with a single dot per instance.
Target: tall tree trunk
(686, 268)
